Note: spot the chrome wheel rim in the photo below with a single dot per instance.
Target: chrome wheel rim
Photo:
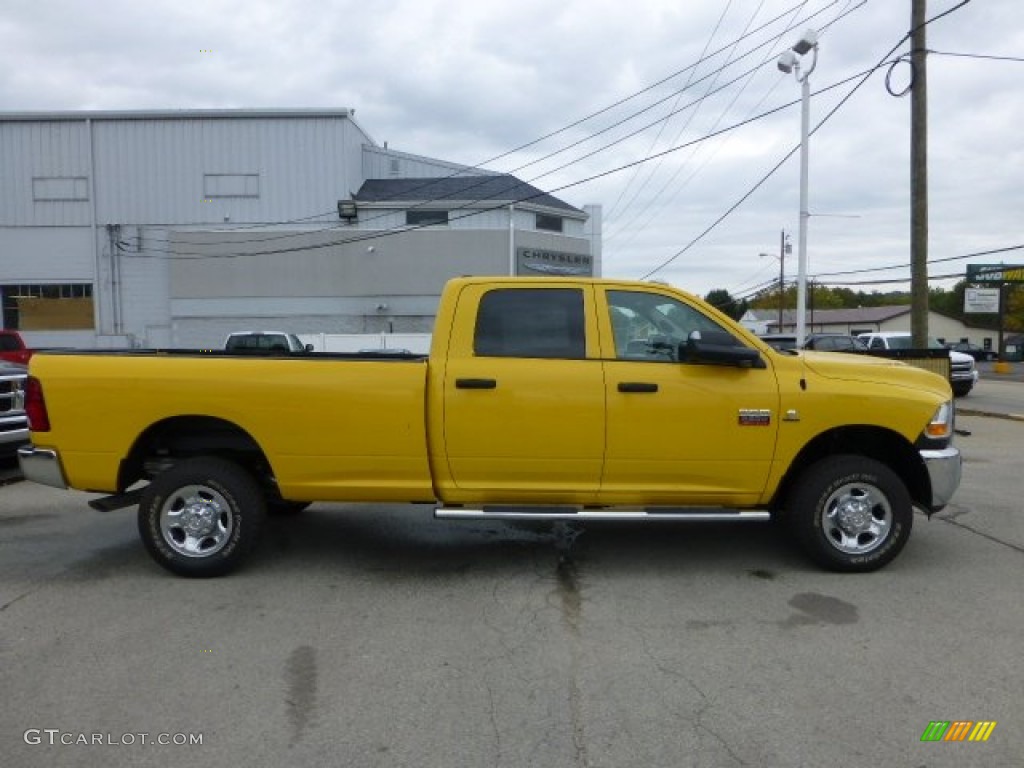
(856, 518)
(196, 521)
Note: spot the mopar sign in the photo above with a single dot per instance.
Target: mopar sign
(995, 273)
(536, 261)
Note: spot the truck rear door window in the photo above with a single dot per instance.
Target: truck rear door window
(531, 322)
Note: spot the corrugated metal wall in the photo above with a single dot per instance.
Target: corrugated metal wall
(382, 163)
(151, 171)
(41, 150)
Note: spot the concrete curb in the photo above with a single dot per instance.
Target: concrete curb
(989, 414)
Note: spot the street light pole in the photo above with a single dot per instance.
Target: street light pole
(790, 62)
(782, 276)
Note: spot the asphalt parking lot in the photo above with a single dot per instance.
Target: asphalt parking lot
(376, 636)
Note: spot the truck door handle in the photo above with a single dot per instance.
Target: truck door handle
(476, 384)
(637, 386)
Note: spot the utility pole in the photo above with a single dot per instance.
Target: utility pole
(918, 178)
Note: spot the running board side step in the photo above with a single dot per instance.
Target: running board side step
(609, 514)
(117, 501)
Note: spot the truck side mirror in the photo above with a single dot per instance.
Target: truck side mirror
(718, 348)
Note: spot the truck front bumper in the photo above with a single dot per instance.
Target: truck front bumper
(944, 469)
(42, 465)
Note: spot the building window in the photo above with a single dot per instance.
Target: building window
(420, 218)
(59, 188)
(549, 223)
(231, 185)
(51, 307)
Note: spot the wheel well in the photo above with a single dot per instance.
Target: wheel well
(182, 437)
(877, 443)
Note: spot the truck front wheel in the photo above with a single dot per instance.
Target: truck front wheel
(201, 517)
(850, 513)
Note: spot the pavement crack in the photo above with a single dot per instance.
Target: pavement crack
(23, 595)
(989, 536)
(697, 718)
(493, 715)
(568, 581)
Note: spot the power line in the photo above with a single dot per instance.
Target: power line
(576, 123)
(842, 102)
(886, 281)
(373, 234)
(654, 142)
(985, 57)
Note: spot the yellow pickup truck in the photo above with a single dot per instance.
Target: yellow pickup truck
(546, 398)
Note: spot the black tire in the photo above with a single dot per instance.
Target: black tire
(201, 517)
(850, 513)
(962, 391)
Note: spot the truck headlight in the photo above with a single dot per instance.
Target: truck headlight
(941, 425)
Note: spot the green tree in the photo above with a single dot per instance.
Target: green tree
(723, 301)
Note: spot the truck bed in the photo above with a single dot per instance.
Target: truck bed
(326, 435)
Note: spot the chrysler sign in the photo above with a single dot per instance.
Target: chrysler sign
(538, 261)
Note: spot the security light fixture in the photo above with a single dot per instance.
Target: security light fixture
(808, 41)
(788, 61)
(347, 209)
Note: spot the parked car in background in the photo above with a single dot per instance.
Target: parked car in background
(974, 350)
(780, 341)
(822, 342)
(13, 421)
(834, 342)
(963, 374)
(265, 341)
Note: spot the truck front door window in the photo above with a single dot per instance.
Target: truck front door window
(649, 326)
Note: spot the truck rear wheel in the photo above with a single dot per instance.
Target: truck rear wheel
(201, 517)
(850, 513)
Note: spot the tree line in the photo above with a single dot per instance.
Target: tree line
(945, 302)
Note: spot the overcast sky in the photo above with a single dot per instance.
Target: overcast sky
(469, 81)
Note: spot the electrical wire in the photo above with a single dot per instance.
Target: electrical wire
(842, 102)
(487, 177)
(1015, 59)
(654, 142)
(376, 234)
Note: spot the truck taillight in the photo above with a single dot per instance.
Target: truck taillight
(35, 406)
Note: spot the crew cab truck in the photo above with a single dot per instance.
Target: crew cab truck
(541, 398)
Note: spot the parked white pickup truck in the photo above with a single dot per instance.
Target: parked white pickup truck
(963, 373)
(265, 341)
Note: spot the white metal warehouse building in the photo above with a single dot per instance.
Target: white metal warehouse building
(172, 229)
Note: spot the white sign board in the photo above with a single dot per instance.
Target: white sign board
(981, 300)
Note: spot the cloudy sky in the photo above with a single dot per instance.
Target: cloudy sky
(671, 114)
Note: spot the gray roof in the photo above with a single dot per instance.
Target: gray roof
(172, 114)
(829, 316)
(491, 189)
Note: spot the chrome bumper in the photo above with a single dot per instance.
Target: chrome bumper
(944, 468)
(41, 465)
(13, 432)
